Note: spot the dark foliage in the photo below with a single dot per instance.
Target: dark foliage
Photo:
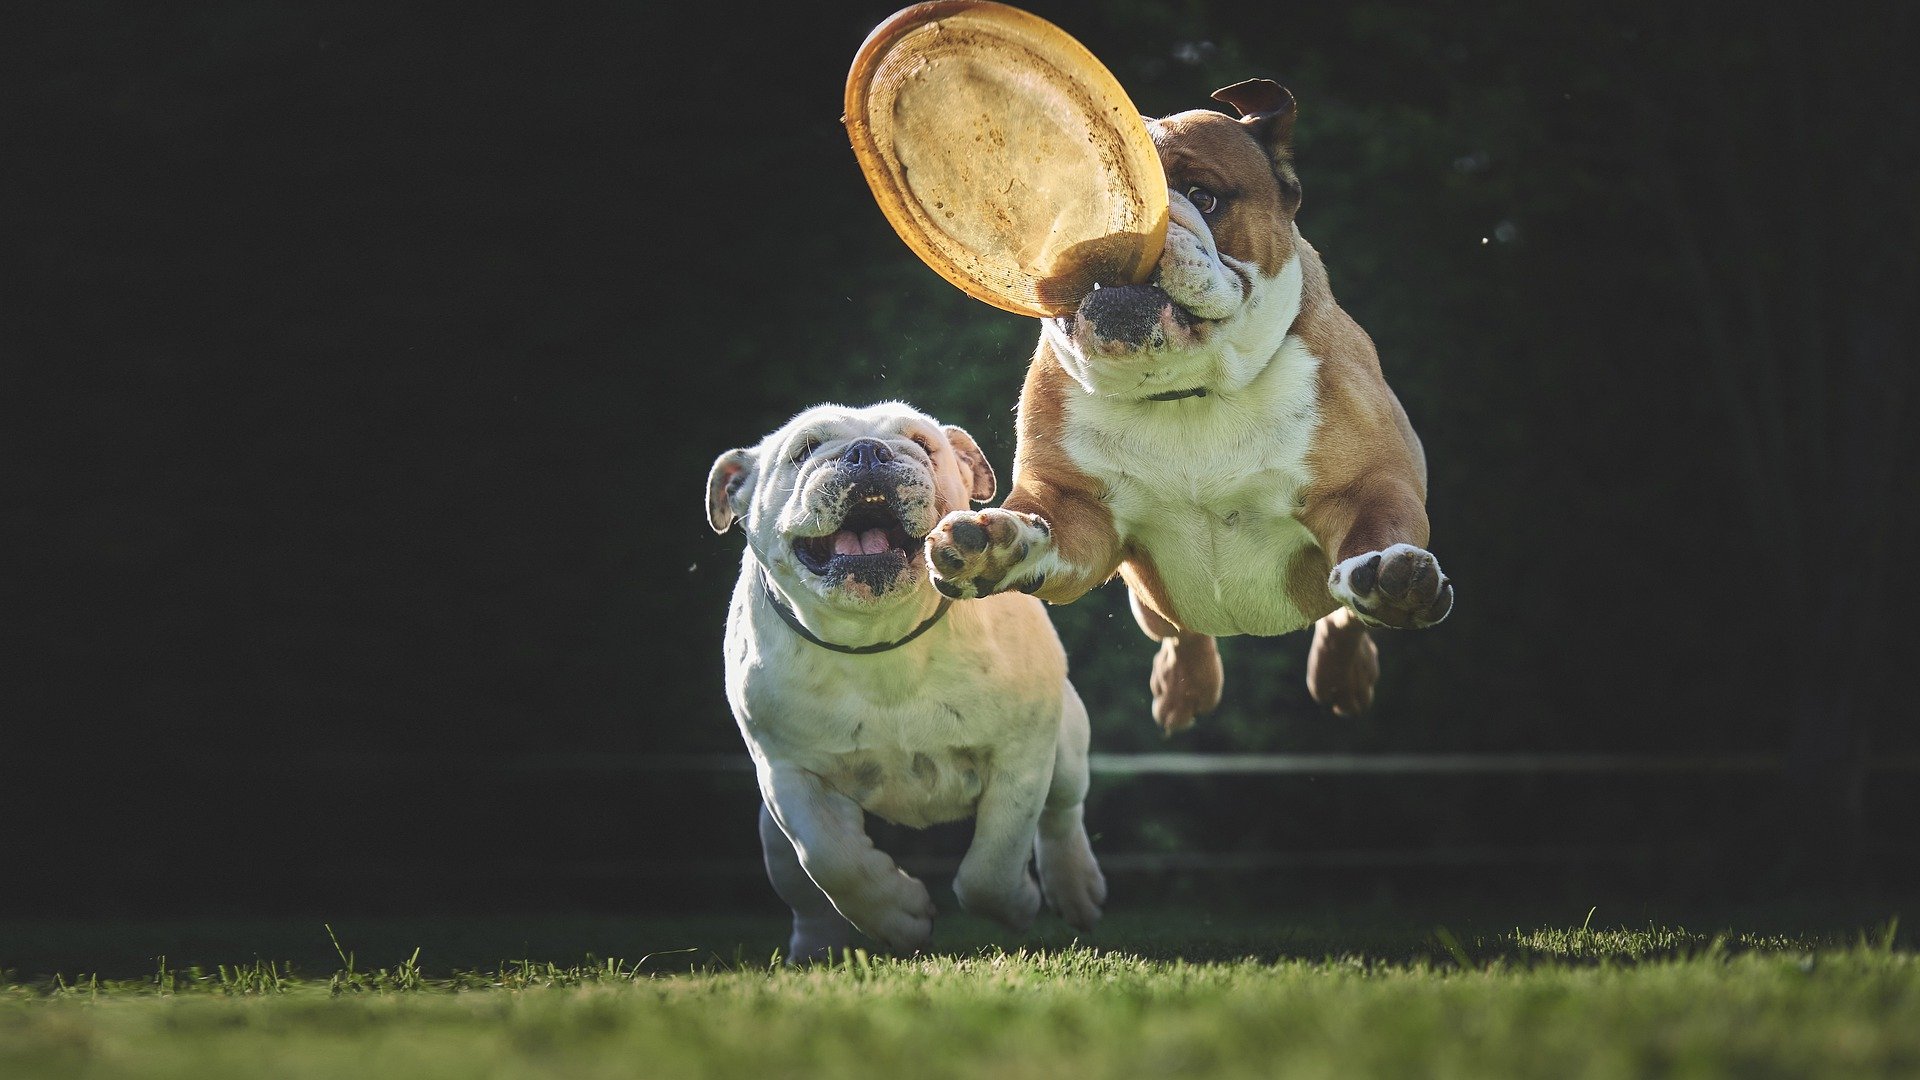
(362, 362)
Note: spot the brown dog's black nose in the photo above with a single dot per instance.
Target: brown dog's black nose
(866, 453)
(1125, 312)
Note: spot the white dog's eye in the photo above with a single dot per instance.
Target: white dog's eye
(804, 449)
(1203, 200)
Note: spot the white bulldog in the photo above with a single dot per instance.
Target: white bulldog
(858, 687)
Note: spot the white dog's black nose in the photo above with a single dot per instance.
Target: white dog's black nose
(866, 453)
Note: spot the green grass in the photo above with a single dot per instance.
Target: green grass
(1163, 992)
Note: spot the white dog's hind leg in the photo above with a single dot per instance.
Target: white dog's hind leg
(819, 930)
(829, 835)
(1069, 874)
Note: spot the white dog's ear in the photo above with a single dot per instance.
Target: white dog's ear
(725, 483)
(980, 479)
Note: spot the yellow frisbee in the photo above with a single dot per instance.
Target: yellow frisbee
(1006, 155)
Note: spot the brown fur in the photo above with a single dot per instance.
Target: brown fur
(1143, 580)
(1369, 486)
(1209, 149)
(1367, 472)
(1047, 483)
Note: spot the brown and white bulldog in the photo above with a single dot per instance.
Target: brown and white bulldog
(1222, 437)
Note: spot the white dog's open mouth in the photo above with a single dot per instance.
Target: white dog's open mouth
(872, 543)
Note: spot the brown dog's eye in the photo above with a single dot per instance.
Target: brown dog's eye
(923, 443)
(1203, 200)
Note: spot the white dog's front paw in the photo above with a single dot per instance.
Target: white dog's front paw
(895, 911)
(1071, 879)
(1401, 587)
(1011, 902)
(975, 553)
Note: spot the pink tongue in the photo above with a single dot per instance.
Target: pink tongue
(871, 542)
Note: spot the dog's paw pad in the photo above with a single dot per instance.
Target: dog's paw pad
(968, 539)
(975, 553)
(1362, 578)
(1402, 587)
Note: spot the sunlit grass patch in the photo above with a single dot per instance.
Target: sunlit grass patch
(1580, 1001)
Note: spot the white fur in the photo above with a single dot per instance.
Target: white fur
(973, 718)
(1235, 351)
(1193, 271)
(1209, 485)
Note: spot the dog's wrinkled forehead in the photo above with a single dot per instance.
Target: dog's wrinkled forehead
(1203, 144)
(825, 428)
(892, 448)
(1253, 188)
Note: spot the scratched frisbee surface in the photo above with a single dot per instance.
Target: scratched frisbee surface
(1006, 155)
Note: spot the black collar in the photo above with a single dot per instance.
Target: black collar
(1176, 395)
(787, 616)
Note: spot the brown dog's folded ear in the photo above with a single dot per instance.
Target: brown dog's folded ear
(1267, 110)
(1262, 102)
(980, 479)
(724, 484)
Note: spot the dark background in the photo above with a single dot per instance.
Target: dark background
(363, 363)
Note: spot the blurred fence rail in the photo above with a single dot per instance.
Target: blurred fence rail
(1167, 764)
(391, 830)
(1231, 816)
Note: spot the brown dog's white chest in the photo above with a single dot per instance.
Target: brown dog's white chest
(1208, 490)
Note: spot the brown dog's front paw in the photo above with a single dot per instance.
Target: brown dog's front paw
(975, 553)
(1401, 587)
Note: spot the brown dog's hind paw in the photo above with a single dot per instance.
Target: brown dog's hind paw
(1343, 664)
(1401, 587)
(1186, 681)
(974, 553)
